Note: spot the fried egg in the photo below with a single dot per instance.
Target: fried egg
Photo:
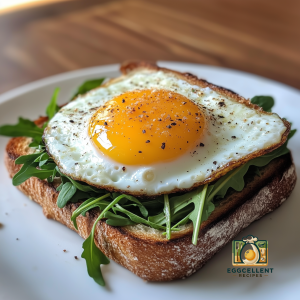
(153, 132)
(251, 256)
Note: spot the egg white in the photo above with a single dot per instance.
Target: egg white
(233, 131)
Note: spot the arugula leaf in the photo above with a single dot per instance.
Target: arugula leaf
(167, 214)
(67, 192)
(92, 255)
(208, 208)
(135, 218)
(142, 208)
(80, 186)
(235, 178)
(52, 107)
(30, 158)
(94, 258)
(196, 214)
(23, 128)
(85, 206)
(51, 178)
(28, 171)
(176, 204)
(182, 221)
(79, 196)
(292, 132)
(48, 166)
(60, 187)
(34, 144)
(117, 220)
(83, 187)
(182, 213)
(87, 86)
(42, 159)
(266, 102)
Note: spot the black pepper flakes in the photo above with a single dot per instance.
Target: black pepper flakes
(75, 257)
(71, 121)
(221, 116)
(123, 101)
(214, 162)
(140, 151)
(144, 131)
(169, 126)
(124, 169)
(163, 146)
(105, 123)
(173, 124)
(148, 141)
(234, 137)
(201, 145)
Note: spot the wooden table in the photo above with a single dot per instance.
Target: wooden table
(261, 37)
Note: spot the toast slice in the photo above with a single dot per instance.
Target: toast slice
(145, 251)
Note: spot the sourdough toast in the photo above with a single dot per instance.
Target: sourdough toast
(145, 251)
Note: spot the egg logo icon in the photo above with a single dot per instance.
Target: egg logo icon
(250, 251)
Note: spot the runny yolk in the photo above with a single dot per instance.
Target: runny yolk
(145, 127)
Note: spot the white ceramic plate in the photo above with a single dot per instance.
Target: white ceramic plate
(35, 266)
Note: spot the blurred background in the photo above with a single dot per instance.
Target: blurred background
(39, 38)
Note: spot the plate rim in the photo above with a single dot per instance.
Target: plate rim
(40, 83)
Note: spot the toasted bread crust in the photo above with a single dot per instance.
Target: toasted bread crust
(148, 254)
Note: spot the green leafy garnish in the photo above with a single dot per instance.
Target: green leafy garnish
(30, 158)
(28, 171)
(117, 220)
(92, 255)
(53, 108)
(87, 205)
(24, 127)
(94, 258)
(67, 192)
(266, 102)
(196, 214)
(87, 86)
(137, 219)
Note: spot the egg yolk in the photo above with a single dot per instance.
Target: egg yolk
(249, 254)
(145, 127)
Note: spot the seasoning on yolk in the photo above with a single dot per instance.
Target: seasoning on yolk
(145, 127)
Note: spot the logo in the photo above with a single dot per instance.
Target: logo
(250, 251)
